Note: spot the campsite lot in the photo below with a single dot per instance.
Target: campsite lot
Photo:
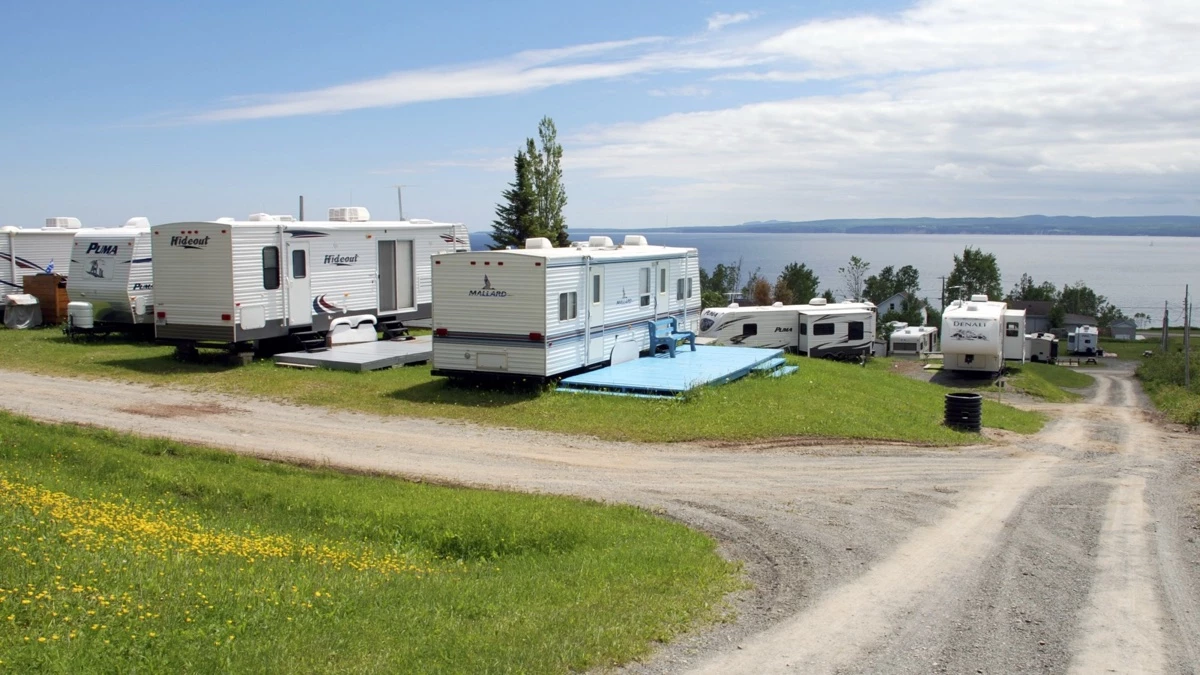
(823, 399)
(119, 553)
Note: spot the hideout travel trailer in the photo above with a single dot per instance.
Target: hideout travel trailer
(238, 285)
(819, 329)
(542, 311)
(1084, 340)
(978, 335)
(111, 283)
(35, 251)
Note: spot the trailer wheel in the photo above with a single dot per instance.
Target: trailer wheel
(186, 351)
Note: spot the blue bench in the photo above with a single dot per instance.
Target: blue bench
(666, 332)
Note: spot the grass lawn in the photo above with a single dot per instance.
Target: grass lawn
(1048, 382)
(823, 399)
(1162, 376)
(122, 554)
(1131, 350)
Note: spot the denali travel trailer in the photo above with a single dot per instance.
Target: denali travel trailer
(111, 278)
(1043, 347)
(1084, 340)
(818, 329)
(233, 284)
(543, 311)
(27, 252)
(973, 335)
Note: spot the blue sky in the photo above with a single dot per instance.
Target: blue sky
(698, 113)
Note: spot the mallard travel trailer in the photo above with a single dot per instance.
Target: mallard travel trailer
(979, 335)
(818, 329)
(234, 284)
(27, 252)
(1084, 340)
(111, 281)
(543, 311)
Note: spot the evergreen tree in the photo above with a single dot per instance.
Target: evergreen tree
(547, 181)
(976, 272)
(515, 215)
(800, 280)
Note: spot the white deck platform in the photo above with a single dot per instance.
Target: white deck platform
(364, 356)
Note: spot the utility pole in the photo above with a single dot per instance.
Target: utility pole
(1166, 320)
(1187, 339)
(943, 293)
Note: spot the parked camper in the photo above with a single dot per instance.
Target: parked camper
(543, 311)
(1042, 347)
(1084, 340)
(234, 284)
(24, 252)
(818, 329)
(973, 335)
(914, 341)
(111, 281)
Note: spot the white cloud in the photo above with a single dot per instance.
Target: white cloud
(686, 90)
(720, 20)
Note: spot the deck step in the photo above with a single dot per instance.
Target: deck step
(311, 341)
(393, 329)
(766, 366)
(786, 370)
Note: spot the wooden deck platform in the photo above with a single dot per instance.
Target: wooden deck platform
(363, 356)
(662, 376)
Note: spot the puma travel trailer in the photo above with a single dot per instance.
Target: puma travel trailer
(543, 311)
(233, 284)
(979, 335)
(111, 281)
(25, 252)
(819, 329)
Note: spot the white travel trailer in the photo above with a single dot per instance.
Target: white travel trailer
(1042, 347)
(914, 341)
(1084, 340)
(818, 329)
(112, 283)
(543, 311)
(973, 335)
(25, 252)
(234, 284)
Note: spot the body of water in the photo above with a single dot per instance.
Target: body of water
(1136, 274)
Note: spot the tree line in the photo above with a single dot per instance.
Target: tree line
(975, 272)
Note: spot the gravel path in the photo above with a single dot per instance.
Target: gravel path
(1074, 550)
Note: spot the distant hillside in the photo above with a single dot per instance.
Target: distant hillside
(1156, 226)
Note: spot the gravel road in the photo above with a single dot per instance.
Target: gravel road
(1073, 550)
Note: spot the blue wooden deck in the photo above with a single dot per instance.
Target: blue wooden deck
(663, 376)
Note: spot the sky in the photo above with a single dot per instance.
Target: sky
(669, 112)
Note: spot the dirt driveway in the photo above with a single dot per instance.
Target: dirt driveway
(1074, 550)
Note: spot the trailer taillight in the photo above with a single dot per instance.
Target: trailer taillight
(535, 337)
(226, 317)
(441, 332)
(162, 315)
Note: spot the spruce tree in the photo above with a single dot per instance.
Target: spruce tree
(515, 215)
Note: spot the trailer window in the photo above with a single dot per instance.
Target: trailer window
(299, 264)
(568, 306)
(689, 287)
(1011, 329)
(270, 260)
(595, 289)
(662, 280)
(855, 329)
(824, 329)
(804, 329)
(679, 289)
(749, 329)
(645, 287)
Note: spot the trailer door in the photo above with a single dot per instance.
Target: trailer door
(299, 285)
(396, 287)
(595, 295)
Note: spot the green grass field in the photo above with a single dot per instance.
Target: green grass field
(823, 399)
(1048, 382)
(122, 554)
(1162, 376)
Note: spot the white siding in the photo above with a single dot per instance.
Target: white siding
(193, 286)
(34, 251)
(248, 282)
(566, 344)
(110, 268)
(352, 287)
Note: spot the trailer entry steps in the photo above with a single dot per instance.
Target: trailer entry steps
(661, 376)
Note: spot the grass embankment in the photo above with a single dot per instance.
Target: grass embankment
(1162, 377)
(823, 399)
(120, 554)
(1048, 382)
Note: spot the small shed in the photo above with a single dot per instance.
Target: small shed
(1123, 329)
